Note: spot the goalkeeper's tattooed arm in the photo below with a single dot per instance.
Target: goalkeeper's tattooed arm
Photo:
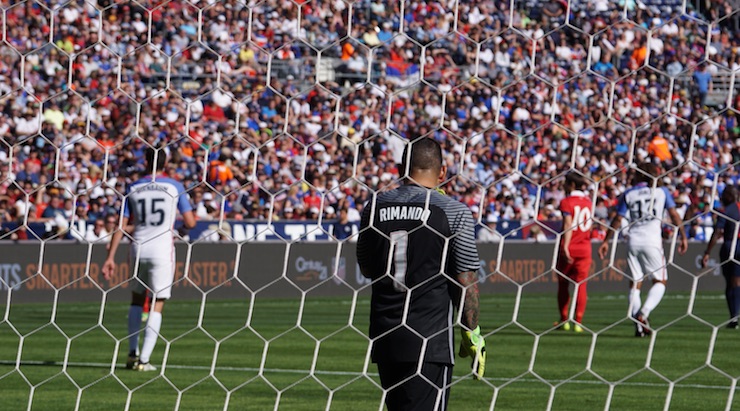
(471, 304)
(472, 344)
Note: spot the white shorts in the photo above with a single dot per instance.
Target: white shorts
(647, 261)
(155, 276)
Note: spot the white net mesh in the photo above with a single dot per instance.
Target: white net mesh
(281, 119)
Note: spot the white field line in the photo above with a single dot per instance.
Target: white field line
(349, 373)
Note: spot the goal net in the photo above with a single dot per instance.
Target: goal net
(282, 120)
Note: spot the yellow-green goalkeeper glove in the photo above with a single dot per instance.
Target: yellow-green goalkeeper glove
(473, 345)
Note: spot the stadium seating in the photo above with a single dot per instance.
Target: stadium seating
(322, 83)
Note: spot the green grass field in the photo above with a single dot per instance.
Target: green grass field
(270, 364)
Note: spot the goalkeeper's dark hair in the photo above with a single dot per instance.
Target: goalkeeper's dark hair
(157, 154)
(729, 195)
(426, 155)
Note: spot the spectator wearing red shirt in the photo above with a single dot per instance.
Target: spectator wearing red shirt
(312, 199)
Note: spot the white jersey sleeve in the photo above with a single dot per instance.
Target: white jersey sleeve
(152, 206)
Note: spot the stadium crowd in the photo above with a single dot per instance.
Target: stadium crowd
(285, 124)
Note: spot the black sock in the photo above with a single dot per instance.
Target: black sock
(730, 297)
(735, 302)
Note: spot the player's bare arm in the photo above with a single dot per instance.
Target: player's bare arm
(683, 242)
(716, 234)
(604, 248)
(471, 302)
(109, 267)
(188, 218)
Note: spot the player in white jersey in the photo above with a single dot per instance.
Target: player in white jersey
(151, 205)
(644, 205)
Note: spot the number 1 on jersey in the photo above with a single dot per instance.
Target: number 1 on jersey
(399, 245)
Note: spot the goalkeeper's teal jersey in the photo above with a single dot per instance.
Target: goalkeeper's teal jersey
(420, 240)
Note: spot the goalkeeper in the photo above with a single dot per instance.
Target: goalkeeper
(419, 250)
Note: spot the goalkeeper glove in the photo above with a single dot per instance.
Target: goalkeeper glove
(474, 345)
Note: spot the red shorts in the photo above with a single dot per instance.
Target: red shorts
(577, 271)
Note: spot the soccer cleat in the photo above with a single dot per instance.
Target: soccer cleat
(577, 328)
(733, 325)
(562, 325)
(144, 367)
(639, 333)
(643, 326)
(132, 361)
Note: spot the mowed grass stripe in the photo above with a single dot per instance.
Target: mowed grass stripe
(352, 374)
(559, 358)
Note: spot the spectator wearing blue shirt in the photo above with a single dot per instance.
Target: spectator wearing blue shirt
(343, 228)
(703, 80)
(28, 174)
(484, 174)
(386, 32)
(621, 147)
(269, 110)
(54, 209)
(605, 67)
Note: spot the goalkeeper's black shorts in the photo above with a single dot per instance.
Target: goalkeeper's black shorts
(416, 393)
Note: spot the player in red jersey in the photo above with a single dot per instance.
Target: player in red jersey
(575, 255)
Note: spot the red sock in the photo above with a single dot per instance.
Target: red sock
(563, 298)
(581, 300)
(147, 303)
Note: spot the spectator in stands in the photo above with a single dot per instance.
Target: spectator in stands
(536, 234)
(703, 80)
(98, 232)
(555, 8)
(661, 150)
(219, 171)
(605, 67)
(111, 223)
(697, 232)
(683, 204)
(526, 211)
(489, 233)
(12, 225)
(69, 210)
(469, 108)
(214, 232)
(29, 173)
(5, 211)
(54, 209)
(342, 229)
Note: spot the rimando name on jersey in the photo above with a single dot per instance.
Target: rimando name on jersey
(403, 213)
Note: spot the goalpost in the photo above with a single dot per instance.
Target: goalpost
(279, 114)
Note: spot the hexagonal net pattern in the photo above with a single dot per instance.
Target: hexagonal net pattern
(281, 122)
